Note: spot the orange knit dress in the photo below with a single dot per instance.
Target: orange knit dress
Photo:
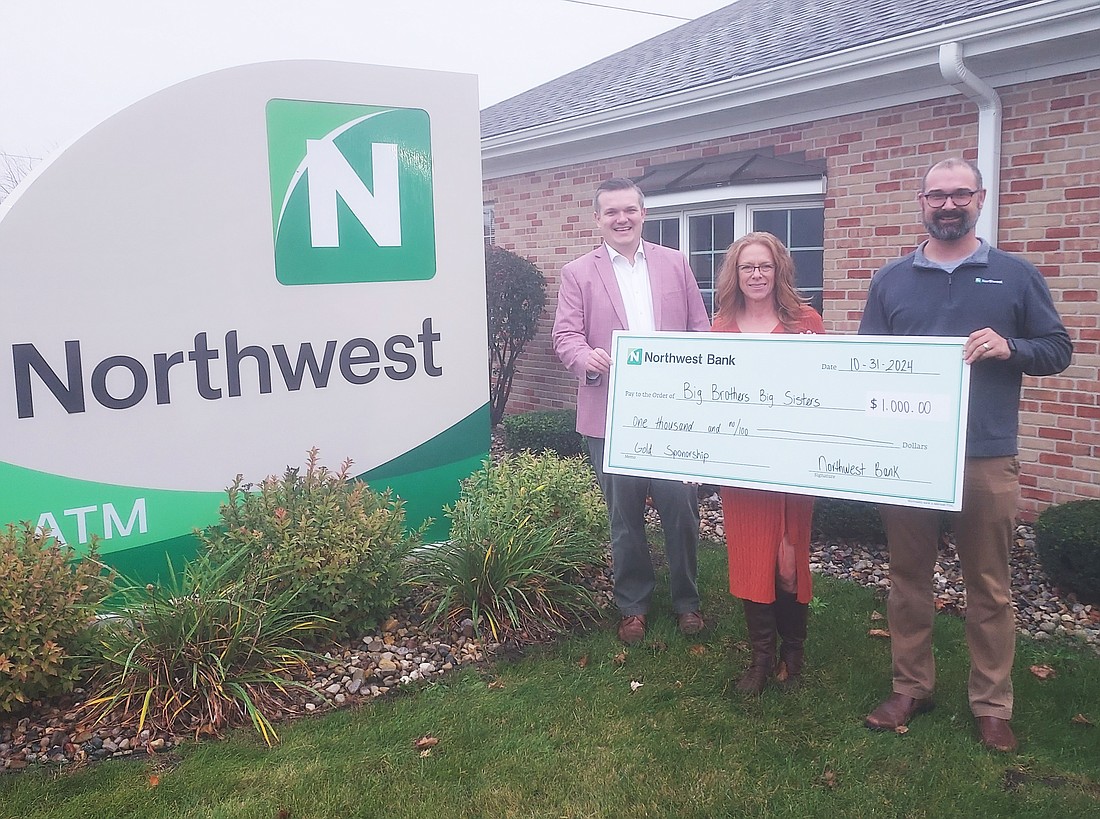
(755, 519)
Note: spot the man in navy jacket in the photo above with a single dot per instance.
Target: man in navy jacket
(957, 285)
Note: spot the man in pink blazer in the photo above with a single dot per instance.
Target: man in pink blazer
(628, 284)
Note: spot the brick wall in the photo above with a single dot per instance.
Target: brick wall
(1050, 213)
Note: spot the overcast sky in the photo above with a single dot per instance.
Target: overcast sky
(66, 65)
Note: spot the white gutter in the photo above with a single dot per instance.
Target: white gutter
(955, 72)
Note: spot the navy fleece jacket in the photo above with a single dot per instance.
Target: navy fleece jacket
(915, 297)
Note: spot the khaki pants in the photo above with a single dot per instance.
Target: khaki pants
(984, 532)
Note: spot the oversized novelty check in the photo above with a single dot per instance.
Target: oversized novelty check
(873, 418)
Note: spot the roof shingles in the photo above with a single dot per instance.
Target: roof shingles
(743, 38)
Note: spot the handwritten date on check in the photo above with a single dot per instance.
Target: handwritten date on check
(871, 418)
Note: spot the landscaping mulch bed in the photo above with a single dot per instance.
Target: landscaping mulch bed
(407, 652)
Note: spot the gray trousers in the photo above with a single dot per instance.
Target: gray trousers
(678, 506)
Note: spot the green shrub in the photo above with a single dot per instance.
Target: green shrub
(554, 430)
(515, 292)
(48, 600)
(337, 542)
(839, 519)
(210, 648)
(523, 532)
(1067, 539)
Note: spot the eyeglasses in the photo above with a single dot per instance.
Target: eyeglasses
(937, 199)
(747, 269)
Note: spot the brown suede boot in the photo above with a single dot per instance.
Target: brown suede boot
(760, 618)
(790, 622)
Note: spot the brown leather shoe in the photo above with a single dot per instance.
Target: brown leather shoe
(632, 629)
(996, 734)
(896, 711)
(691, 622)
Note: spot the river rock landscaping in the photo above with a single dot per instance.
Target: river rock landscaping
(406, 652)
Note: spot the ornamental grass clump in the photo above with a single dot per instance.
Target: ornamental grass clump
(48, 601)
(337, 543)
(208, 649)
(524, 533)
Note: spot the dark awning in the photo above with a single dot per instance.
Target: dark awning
(729, 169)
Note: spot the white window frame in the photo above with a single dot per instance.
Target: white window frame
(488, 224)
(740, 200)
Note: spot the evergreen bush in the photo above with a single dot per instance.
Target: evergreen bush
(841, 519)
(553, 430)
(1067, 539)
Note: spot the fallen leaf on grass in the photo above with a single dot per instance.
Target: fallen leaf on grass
(1043, 672)
(879, 632)
(902, 729)
(828, 779)
(427, 752)
(496, 684)
(619, 658)
(635, 685)
(154, 780)
(284, 813)
(875, 617)
(583, 661)
(697, 651)
(1081, 719)
(425, 742)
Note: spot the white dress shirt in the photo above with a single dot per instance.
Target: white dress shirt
(633, 279)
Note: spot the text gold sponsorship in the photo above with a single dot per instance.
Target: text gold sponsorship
(358, 361)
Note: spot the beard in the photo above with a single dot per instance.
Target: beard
(947, 226)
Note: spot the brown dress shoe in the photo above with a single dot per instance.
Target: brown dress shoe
(691, 622)
(632, 629)
(896, 711)
(996, 734)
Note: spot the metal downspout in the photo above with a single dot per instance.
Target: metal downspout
(955, 72)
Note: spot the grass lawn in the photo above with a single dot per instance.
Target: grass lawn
(561, 733)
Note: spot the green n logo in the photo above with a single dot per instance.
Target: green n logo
(634, 355)
(351, 192)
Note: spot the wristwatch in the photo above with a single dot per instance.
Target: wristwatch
(1011, 346)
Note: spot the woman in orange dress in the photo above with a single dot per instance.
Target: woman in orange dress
(767, 533)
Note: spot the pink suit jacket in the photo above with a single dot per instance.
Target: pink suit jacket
(590, 308)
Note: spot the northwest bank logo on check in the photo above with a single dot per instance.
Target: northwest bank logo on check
(637, 356)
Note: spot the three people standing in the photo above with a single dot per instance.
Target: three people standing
(954, 284)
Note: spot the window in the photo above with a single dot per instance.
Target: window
(707, 229)
(802, 230)
(662, 232)
(489, 230)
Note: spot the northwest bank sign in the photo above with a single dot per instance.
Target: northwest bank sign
(234, 270)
